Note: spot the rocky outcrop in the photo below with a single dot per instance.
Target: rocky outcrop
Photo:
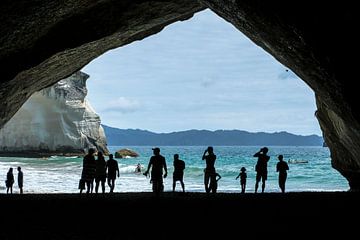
(316, 41)
(123, 153)
(56, 120)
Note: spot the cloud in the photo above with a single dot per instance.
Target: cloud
(287, 74)
(123, 105)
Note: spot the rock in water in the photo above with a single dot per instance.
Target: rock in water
(123, 153)
(56, 120)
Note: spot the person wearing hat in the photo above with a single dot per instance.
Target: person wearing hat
(157, 163)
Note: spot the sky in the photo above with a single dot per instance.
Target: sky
(199, 74)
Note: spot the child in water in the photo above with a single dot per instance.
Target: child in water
(243, 177)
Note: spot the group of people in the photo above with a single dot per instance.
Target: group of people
(101, 170)
(158, 167)
(98, 170)
(157, 164)
(10, 180)
(261, 170)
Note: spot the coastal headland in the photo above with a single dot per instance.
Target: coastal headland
(179, 215)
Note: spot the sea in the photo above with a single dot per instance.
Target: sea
(309, 170)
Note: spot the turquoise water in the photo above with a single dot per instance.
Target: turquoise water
(61, 174)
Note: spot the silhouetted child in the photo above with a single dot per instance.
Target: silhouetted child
(213, 182)
(243, 177)
(282, 167)
(9, 180)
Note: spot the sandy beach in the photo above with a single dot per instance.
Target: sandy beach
(178, 215)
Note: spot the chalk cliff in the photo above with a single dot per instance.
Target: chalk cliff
(55, 120)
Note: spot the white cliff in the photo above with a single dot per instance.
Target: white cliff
(55, 120)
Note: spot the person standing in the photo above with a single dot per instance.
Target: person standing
(282, 168)
(9, 180)
(261, 168)
(20, 179)
(209, 170)
(100, 173)
(243, 177)
(178, 175)
(157, 163)
(112, 171)
(89, 169)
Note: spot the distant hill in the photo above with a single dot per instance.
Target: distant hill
(137, 137)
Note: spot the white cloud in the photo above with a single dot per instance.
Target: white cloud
(123, 105)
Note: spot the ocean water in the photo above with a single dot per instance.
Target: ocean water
(312, 172)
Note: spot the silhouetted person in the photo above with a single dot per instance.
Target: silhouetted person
(261, 168)
(100, 173)
(210, 158)
(20, 179)
(112, 172)
(243, 177)
(157, 163)
(89, 170)
(138, 168)
(282, 168)
(214, 178)
(178, 175)
(9, 180)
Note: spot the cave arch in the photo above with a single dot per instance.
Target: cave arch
(313, 41)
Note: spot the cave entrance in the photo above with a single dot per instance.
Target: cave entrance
(204, 74)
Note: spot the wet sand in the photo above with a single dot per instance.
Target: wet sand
(179, 216)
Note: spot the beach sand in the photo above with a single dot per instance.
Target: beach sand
(179, 215)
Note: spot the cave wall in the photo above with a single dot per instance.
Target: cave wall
(42, 42)
(317, 42)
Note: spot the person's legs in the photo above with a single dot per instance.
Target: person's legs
(112, 186)
(182, 185)
(264, 178)
(206, 181)
(103, 185)
(282, 179)
(88, 186)
(174, 185)
(97, 185)
(91, 185)
(258, 177)
(109, 183)
(263, 185)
